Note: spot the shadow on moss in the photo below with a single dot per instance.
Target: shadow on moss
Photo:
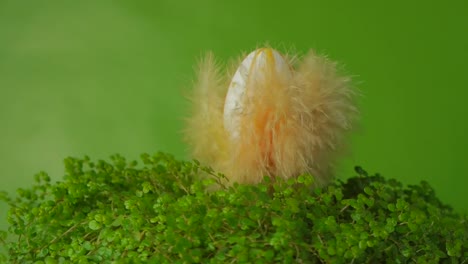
(161, 213)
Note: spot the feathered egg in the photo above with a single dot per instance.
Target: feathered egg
(272, 117)
(255, 68)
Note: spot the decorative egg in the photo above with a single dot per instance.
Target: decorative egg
(254, 69)
(270, 118)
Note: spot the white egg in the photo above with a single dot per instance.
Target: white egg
(255, 67)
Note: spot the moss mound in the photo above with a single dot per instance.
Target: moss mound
(159, 212)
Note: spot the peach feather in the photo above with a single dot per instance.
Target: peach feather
(274, 116)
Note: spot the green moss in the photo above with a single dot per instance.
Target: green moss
(159, 212)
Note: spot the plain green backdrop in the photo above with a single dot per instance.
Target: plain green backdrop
(105, 77)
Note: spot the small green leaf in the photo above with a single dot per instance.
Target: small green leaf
(94, 225)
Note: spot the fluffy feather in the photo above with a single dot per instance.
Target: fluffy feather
(293, 121)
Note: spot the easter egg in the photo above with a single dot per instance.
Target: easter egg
(254, 70)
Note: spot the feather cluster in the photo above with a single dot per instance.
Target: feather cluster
(281, 121)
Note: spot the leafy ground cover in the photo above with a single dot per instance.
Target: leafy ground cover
(159, 210)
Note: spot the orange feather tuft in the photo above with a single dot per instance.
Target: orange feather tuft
(272, 117)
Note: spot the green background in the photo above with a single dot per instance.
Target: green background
(105, 77)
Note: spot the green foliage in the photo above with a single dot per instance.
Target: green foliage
(161, 212)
